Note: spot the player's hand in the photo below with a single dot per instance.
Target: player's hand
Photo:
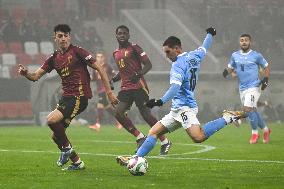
(111, 84)
(264, 83)
(112, 98)
(116, 78)
(22, 70)
(211, 30)
(225, 73)
(153, 102)
(135, 78)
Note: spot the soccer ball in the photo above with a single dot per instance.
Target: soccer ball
(137, 166)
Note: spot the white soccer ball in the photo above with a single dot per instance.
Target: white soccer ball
(137, 166)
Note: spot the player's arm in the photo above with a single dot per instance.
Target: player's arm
(202, 50)
(209, 38)
(171, 92)
(175, 84)
(228, 71)
(105, 81)
(147, 65)
(32, 76)
(264, 81)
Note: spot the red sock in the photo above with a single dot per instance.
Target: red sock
(60, 135)
(56, 141)
(100, 115)
(128, 125)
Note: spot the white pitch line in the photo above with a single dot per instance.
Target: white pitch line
(156, 157)
(206, 147)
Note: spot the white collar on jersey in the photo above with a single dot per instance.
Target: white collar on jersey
(181, 54)
(242, 53)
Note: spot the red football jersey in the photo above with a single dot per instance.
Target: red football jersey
(72, 68)
(128, 61)
(110, 72)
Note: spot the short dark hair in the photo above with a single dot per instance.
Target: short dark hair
(63, 28)
(172, 41)
(246, 35)
(122, 27)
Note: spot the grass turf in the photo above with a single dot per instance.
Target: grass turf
(28, 156)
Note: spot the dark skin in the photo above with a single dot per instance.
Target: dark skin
(122, 37)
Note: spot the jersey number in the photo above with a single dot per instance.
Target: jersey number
(65, 72)
(121, 63)
(242, 67)
(192, 79)
(183, 116)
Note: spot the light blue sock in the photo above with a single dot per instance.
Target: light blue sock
(147, 146)
(213, 126)
(253, 119)
(261, 123)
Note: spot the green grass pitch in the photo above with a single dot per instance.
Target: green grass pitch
(225, 161)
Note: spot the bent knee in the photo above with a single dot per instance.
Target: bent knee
(198, 139)
(248, 109)
(50, 121)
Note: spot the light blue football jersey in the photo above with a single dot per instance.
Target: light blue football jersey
(246, 66)
(184, 72)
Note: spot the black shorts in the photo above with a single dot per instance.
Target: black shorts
(71, 106)
(139, 96)
(103, 99)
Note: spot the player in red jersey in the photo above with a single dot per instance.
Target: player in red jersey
(71, 63)
(103, 104)
(133, 63)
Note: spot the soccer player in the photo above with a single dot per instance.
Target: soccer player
(103, 103)
(133, 63)
(183, 80)
(245, 63)
(71, 63)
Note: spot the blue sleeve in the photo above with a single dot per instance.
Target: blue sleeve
(231, 63)
(261, 61)
(171, 92)
(207, 42)
(202, 50)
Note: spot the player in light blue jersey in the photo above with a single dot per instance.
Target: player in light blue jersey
(183, 80)
(246, 63)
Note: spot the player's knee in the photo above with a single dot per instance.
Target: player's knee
(50, 120)
(248, 109)
(198, 139)
(119, 114)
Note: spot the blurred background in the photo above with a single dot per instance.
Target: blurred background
(26, 38)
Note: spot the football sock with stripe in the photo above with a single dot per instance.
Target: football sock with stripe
(213, 126)
(253, 119)
(261, 123)
(147, 146)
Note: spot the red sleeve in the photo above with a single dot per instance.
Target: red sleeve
(48, 64)
(85, 55)
(140, 52)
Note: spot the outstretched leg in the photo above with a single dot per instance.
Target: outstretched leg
(151, 121)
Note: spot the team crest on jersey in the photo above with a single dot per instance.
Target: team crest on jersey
(125, 53)
(192, 62)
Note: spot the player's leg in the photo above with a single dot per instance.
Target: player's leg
(70, 107)
(125, 102)
(99, 117)
(191, 124)
(167, 124)
(263, 126)
(111, 112)
(140, 98)
(80, 105)
(249, 100)
(265, 129)
(100, 111)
